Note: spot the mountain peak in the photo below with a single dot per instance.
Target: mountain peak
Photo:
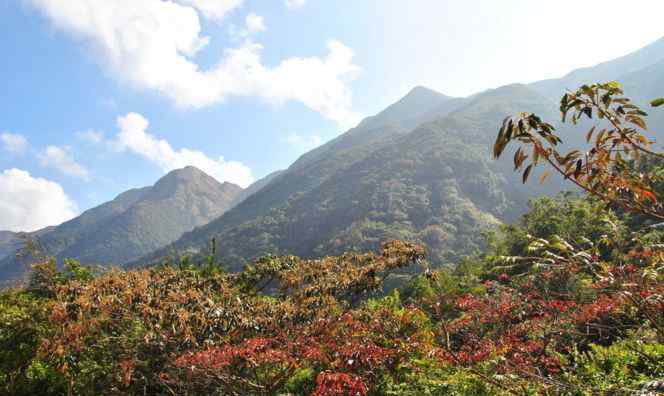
(421, 96)
(420, 90)
(187, 172)
(418, 101)
(188, 178)
(135, 223)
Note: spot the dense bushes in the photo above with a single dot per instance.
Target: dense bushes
(291, 326)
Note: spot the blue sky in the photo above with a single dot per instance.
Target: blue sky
(99, 96)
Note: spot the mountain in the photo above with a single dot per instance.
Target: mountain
(434, 183)
(641, 74)
(136, 222)
(10, 242)
(420, 170)
(638, 63)
(255, 187)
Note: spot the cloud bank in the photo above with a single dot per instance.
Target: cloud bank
(133, 137)
(150, 43)
(28, 203)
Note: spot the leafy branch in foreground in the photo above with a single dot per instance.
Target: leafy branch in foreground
(607, 169)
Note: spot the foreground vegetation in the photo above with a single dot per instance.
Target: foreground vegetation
(568, 301)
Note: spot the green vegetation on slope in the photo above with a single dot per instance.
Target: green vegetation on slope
(135, 223)
(480, 329)
(435, 185)
(567, 301)
(335, 197)
(10, 243)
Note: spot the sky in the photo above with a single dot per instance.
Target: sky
(100, 96)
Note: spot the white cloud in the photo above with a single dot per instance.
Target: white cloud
(255, 23)
(213, 9)
(61, 159)
(305, 143)
(91, 136)
(150, 43)
(133, 137)
(28, 203)
(292, 4)
(14, 143)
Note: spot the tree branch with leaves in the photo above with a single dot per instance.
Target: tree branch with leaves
(608, 170)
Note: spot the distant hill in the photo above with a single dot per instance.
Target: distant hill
(136, 222)
(10, 242)
(639, 62)
(420, 170)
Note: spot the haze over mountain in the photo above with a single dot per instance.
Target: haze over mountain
(420, 170)
(637, 71)
(135, 223)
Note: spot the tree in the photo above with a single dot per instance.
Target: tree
(608, 170)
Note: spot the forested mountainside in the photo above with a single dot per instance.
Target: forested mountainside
(135, 223)
(435, 184)
(255, 187)
(565, 301)
(10, 242)
(420, 170)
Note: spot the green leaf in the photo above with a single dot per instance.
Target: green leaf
(657, 102)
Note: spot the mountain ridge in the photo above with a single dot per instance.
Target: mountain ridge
(136, 222)
(327, 201)
(615, 69)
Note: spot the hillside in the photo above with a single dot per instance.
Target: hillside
(420, 170)
(136, 222)
(567, 300)
(636, 63)
(255, 187)
(551, 318)
(10, 242)
(434, 184)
